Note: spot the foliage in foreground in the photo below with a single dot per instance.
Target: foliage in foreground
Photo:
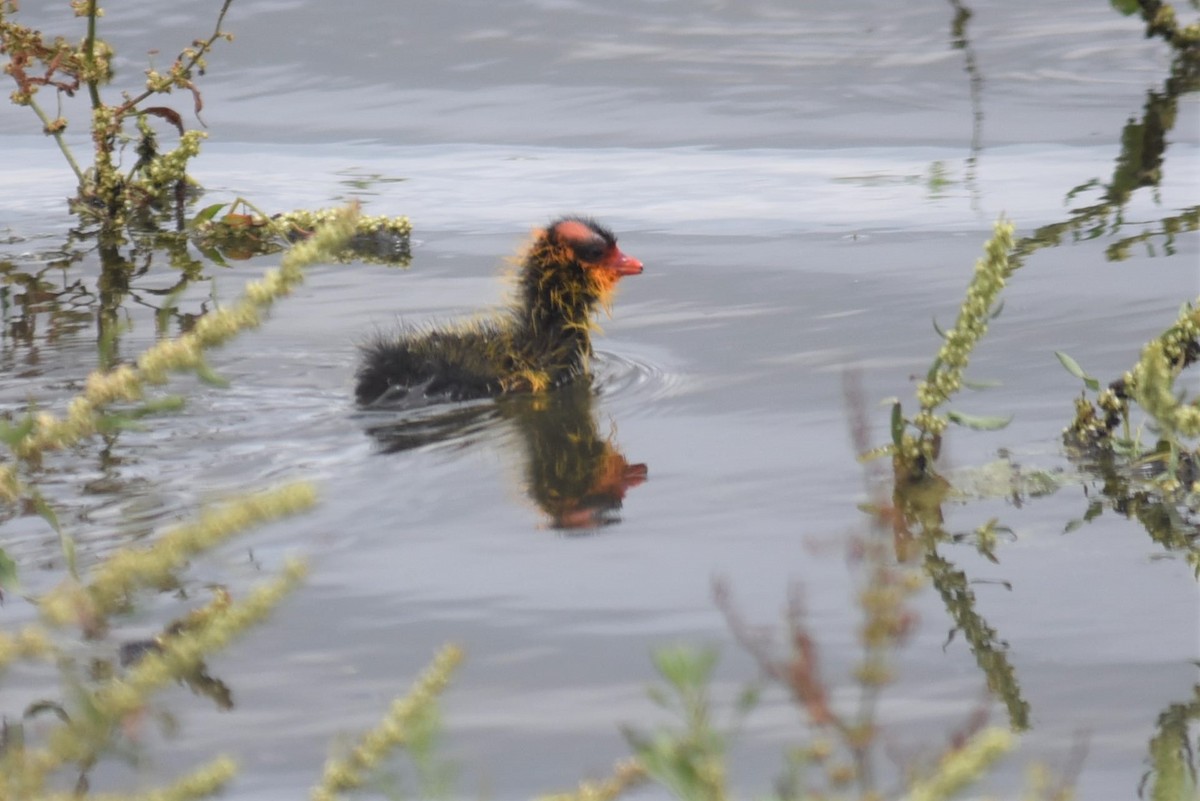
(102, 712)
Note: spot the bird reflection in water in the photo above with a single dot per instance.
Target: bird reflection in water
(577, 477)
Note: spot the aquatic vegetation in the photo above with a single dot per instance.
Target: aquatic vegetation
(960, 41)
(1172, 757)
(107, 710)
(1161, 21)
(916, 443)
(1157, 484)
(1151, 385)
(989, 650)
(156, 178)
(395, 730)
(1153, 377)
(1144, 143)
(1147, 485)
(838, 759)
(131, 569)
(626, 774)
(88, 412)
(376, 239)
(157, 184)
(102, 710)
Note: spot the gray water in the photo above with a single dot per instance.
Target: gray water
(775, 167)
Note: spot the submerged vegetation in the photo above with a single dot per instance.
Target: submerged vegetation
(576, 476)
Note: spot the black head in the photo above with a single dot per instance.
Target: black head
(588, 239)
(594, 247)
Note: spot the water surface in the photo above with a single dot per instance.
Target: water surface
(808, 188)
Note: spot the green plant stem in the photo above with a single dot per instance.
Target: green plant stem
(203, 48)
(866, 721)
(58, 139)
(89, 54)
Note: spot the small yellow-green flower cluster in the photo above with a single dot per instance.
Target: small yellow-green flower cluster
(86, 8)
(167, 169)
(914, 453)
(350, 771)
(991, 271)
(30, 642)
(183, 652)
(157, 82)
(129, 569)
(1151, 384)
(626, 774)
(888, 619)
(202, 783)
(79, 738)
(376, 239)
(963, 766)
(306, 220)
(96, 65)
(1152, 378)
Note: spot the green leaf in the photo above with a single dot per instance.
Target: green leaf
(985, 383)
(1084, 187)
(208, 376)
(1074, 369)
(660, 697)
(14, 737)
(170, 304)
(10, 435)
(1126, 7)
(112, 422)
(933, 368)
(106, 345)
(212, 254)
(897, 424)
(39, 707)
(47, 513)
(205, 214)
(979, 423)
(685, 667)
(637, 740)
(748, 699)
(167, 403)
(671, 762)
(8, 572)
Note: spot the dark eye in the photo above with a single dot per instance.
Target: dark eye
(591, 250)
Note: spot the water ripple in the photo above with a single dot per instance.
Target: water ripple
(632, 378)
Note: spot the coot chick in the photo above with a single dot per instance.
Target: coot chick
(571, 267)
